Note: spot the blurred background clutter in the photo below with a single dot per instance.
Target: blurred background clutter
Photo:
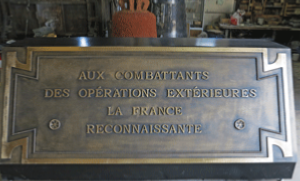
(278, 20)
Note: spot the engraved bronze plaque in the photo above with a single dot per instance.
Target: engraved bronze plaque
(147, 105)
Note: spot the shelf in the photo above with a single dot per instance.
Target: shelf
(196, 28)
(271, 6)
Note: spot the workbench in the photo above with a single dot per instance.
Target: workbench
(274, 28)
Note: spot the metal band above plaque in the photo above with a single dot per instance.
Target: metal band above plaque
(148, 105)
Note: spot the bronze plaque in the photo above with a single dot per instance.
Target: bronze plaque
(147, 105)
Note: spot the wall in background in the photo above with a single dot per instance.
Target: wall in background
(216, 9)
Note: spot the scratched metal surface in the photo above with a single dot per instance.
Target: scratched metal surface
(219, 138)
(216, 115)
(296, 77)
(164, 42)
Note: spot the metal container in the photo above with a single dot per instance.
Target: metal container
(171, 18)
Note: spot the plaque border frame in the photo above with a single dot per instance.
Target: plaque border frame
(12, 62)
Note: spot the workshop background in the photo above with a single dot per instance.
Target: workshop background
(276, 20)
